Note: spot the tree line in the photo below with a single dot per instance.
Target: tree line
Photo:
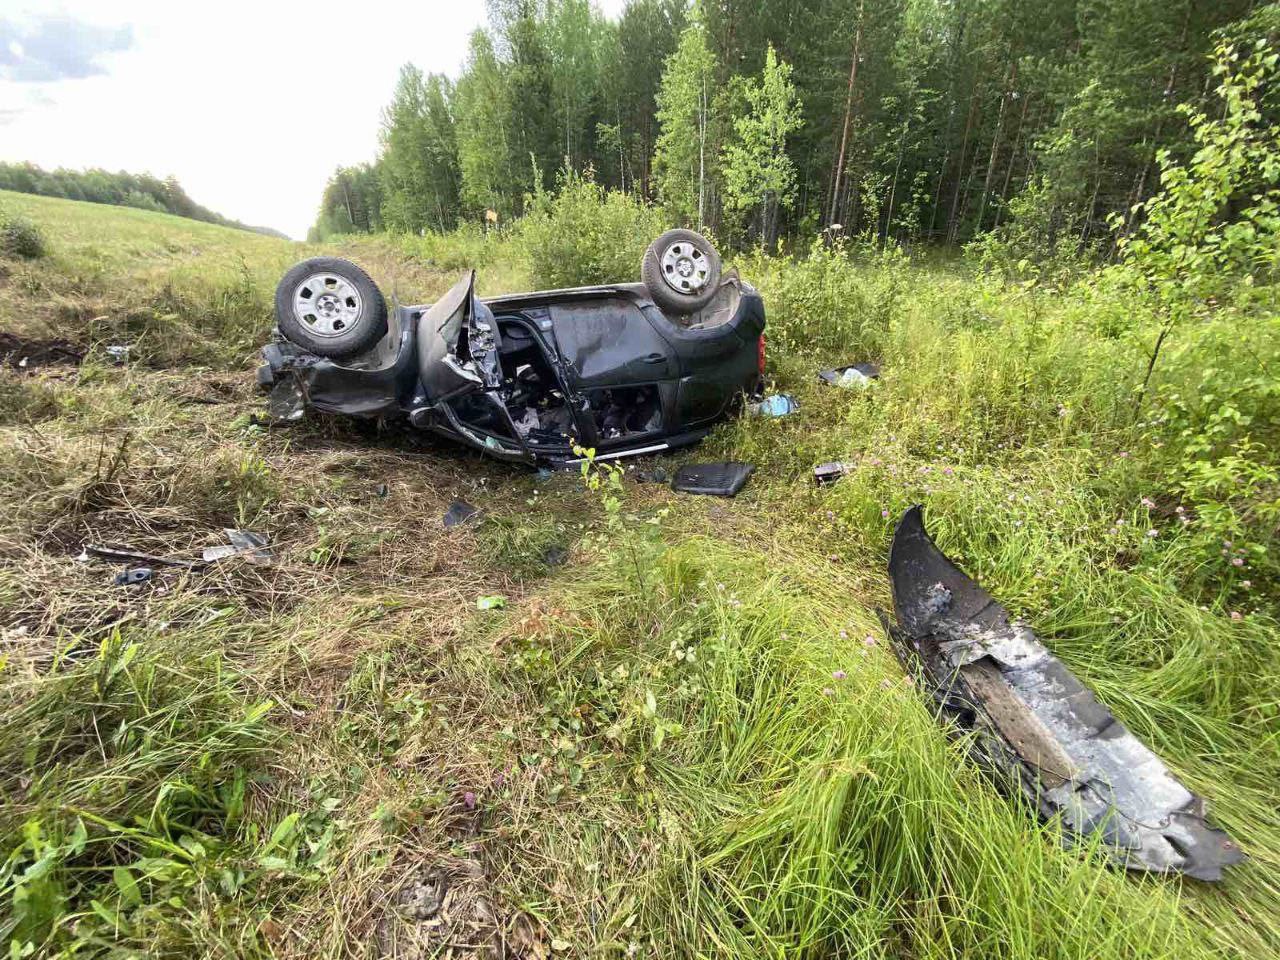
(118, 188)
(912, 120)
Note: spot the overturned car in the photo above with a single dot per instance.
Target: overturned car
(628, 368)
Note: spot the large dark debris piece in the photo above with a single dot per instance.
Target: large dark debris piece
(1039, 729)
(723, 479)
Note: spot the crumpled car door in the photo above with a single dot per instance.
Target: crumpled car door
(444, 373)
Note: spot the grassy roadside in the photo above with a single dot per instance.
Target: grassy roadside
(689, 740)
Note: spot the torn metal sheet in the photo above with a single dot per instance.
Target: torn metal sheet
(246, 544)
(127, 555)
(1038, 725)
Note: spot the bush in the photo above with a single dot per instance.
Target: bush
(822, 305)
(584, 234)
(20, 237)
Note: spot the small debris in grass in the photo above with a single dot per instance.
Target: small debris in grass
(555, 555)
(494, 601)
(119, 353)
(712, 479)
(286, 403)
(854, 375)
(460, 512)
(774, 405)
(381, 490)
(22, 354)
(832, 471)
(656, 475)
(127, 578)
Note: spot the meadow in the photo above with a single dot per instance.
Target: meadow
(690, 739)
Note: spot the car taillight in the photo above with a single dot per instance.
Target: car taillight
(760, 356)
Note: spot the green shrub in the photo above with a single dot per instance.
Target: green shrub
(584, 234)
(821, 305)
(20, 237)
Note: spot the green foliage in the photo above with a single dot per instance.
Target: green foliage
(819, 305)
(418, 170)
(685, 157)
(352, 203)
(20, 237)
(757, 170)
(584, 234)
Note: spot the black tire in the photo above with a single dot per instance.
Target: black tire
(671, 290)
(359, 314)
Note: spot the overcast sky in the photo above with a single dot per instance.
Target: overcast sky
(251, 105)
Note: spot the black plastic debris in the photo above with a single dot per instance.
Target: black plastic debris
(854, 375)
(127, 578)
(1039, 729)
(555, 555)
(712, 479)
(832, 471)
(460, 512)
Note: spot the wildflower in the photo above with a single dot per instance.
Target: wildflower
(948, 471)
(869, 640)
(1237, 561)
(1124, 454)
(1148, 503)
(885, 514)
(1237, 615)
(844, 634)
(910, 681)
(469, 800)
(1017, 523)
(1153, 533)
(782, 637)
(1179, 509)
(1247, 584)
(1114, 531)
(838, 675)
(887, 683)
(1227, 544)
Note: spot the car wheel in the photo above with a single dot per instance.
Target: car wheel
(682, 271)
(330, 307)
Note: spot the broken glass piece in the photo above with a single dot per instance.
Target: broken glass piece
(286, 402)
(1038, 727)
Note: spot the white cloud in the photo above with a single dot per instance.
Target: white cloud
(251, 105)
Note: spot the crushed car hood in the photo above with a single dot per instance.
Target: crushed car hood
(1038, 726)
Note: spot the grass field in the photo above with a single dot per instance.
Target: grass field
(647, 751)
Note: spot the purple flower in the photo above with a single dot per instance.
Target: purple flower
(1237, 615)
(838, 675)
(1148, 503)
(828, 692)
(1153, 533)
(1237, 561)
(885, 514)
(469, 800)
(869, 640)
